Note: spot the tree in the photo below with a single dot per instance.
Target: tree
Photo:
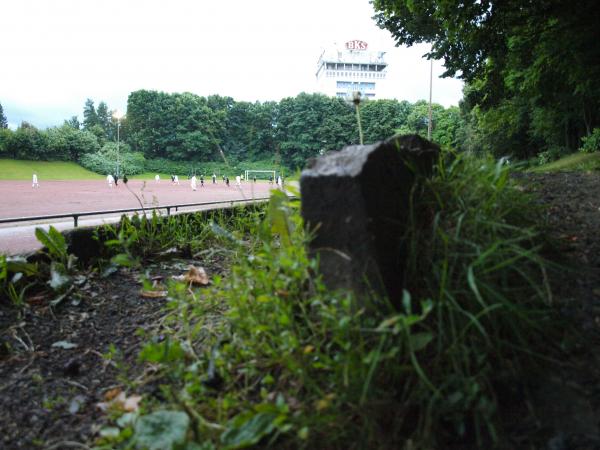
(382, 118)
(5, 138)
(27, 142)
(530, 60)
(90, 117)
(73, 122)
(175, 126)
(69, 144)
(104, 117)
(311, 124)
(3, 121)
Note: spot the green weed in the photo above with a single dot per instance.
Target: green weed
(268, 357)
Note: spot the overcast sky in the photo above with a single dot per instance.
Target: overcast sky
(58, 53)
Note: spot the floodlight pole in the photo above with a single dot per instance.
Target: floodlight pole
(118, 115)
(118, 153)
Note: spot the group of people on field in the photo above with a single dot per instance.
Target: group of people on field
(114, 179)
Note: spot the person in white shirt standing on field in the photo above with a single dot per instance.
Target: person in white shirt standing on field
(110, 180)
(34, 181)
(238, 180)
(194, 182)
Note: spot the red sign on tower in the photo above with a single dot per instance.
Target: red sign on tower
(356, 45)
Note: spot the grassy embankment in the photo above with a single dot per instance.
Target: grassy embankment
(12, 169)
(570, 163)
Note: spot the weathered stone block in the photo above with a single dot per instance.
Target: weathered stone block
(356, 201)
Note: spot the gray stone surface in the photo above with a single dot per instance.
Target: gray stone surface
(355, 201)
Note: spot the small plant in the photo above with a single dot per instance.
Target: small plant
(591, 143)
(62, 265)
(16, 277)
(550, 155)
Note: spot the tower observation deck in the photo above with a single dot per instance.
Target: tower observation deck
(349, 68)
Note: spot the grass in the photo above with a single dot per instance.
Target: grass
(11, 169)
(268, 357)
(149, 176)
(574, 162)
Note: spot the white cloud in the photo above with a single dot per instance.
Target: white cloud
(64, 51)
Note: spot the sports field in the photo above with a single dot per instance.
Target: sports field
(19, 199)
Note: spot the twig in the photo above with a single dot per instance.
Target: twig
(76, 384)
(70, 444)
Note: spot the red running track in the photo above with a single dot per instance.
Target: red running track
(18, 199)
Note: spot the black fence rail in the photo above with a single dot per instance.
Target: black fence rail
(168, 208)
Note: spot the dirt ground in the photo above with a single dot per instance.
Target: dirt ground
(48, 394)
(568, 401)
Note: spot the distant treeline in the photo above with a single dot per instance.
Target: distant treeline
(188, 127)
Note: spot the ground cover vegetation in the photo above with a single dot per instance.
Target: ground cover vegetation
(12, 169)
(266, 356)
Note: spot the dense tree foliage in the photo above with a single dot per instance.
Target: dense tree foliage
(310, 124)
(174, 126)
(532, 68)
(183, 127)
(3, 120)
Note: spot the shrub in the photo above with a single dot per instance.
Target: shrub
(550, 155)
(105, 161)
(591, 143)
(185, 168)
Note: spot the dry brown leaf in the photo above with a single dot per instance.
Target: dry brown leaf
(196, 275)
(37, 299)
(120, 401)
(111, 393)
(153, 294)
(132, 403)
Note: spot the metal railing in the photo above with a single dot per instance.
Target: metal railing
(168, 208)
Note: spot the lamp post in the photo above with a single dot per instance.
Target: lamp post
(118, 115)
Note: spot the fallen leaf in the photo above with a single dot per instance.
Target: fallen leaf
(37, 299)
(196, 275)
(153, 294)
(120, 401)
(132, 403)
(111, 393)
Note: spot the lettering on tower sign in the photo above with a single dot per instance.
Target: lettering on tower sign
(356, 45)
